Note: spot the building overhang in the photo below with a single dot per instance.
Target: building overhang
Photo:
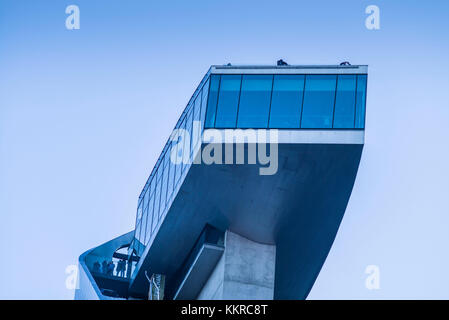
(307, 197)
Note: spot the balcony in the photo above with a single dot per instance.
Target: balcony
(105, 271)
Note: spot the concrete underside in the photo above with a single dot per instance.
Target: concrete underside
(299, 209)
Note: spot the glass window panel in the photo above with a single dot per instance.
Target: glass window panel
(319, 99)
(152, 187)
(179, 150)
(196, 126)
(137, 236)
(139, 211)
(204, 100)
(138, 226)
(197, 107)
(146, 198)
(149, 220)
(212, 102)
(177, 167)
(163, 189)
(345, 102)
(164, 186)
(360, 101)
(160, 169)
(157, 197)
(188, 139)
(286, 101)
(171, 172)
(144, 224)
(155, 217)
(254, 103)
(228, 100)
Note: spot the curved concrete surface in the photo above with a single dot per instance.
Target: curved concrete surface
(299, 209)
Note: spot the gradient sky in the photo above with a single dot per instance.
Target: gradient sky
(85, 113)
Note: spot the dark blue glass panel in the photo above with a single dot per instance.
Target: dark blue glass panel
(255, 101)
(145, 197)
(196, 125)
(171, 176)
(286, 101)
(360, 101)
(228, 100)
(144, 224)
(139, 213)
(157, 197)
(164, 182)
(149, 220)
(197, 107)
(188, 138)
(319, 99)
(137, 236)
(155, 216)
(138, 226)
(345, 102)
(212, 102)
(204, 100)
(179, 152)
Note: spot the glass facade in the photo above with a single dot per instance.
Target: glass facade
(247, 101)
(166, 175)
(360, 102)
(345, 101)
(255, 97)
(286, 101)
(311, 101)
(318, 105)
(228, 101)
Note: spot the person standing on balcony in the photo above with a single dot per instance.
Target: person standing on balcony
(120, 268)
(104, 266)
(97, 266)
(111, 267)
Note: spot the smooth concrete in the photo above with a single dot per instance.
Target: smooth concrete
(245, 271)
(298, 209)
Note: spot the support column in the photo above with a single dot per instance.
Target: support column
(244, 271)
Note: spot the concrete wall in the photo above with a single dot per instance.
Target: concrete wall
(245, 271)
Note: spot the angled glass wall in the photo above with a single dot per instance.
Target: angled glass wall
(311, 101)
(162, 184)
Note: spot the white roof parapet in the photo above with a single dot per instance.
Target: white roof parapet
(290, 69)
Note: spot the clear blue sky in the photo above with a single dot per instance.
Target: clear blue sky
(85, 113)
